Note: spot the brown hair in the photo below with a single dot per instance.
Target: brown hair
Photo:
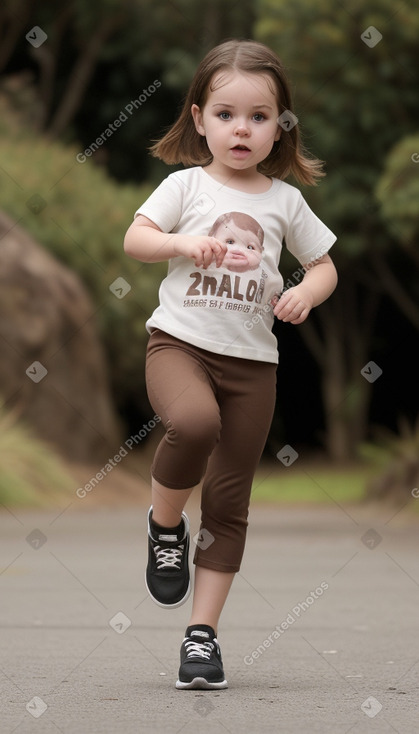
(241, 220)
(183, 144)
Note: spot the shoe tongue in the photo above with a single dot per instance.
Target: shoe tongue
(200, 633)
(168, 538)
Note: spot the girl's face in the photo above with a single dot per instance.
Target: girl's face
(239, 120)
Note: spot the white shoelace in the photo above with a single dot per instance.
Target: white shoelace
(168, 557)
(198, 649)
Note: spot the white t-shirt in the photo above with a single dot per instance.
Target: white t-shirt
(228, 309)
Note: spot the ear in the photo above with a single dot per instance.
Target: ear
(278, 133)
(197, 118)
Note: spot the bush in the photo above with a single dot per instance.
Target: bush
(80, 215)
(395, 458)
(398, 192)
(30, 472)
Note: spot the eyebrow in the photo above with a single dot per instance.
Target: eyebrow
(255, 106)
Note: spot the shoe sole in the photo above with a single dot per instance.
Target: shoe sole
(168, 606)
(202, 684)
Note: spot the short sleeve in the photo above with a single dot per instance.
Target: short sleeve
(164, 205)
(307, 237)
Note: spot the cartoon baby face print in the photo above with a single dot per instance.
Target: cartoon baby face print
(243, 283)
(244, 239)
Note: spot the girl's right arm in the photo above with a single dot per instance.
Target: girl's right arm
(145, 241)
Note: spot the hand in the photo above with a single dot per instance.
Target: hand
(294, 305)
(202, 250)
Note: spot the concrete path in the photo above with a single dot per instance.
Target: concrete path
(320, 633)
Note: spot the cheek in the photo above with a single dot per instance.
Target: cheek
(270, 135)
(212, 127)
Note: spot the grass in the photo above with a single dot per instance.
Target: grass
(31, 473)
(312, 484)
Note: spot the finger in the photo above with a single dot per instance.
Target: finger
(215, 253)
(286, 297)
(219, 252)
(197, 258)
(207, 257)
(302, 317)
(284, 306)
(290, 317)
(282, 310)
(296, 313)
(291, 311)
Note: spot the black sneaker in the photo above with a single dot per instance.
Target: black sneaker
(167, 574)
(200, 660)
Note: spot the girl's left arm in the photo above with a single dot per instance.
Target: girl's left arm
(319, 282)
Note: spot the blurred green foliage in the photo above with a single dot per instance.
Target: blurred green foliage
(100, 55)
(355, 101)
(395, 459)
(398, 192)
(314, 485)
(31, 473)
(354, 73)
(83, 221)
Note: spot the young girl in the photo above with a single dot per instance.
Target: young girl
(211, 357)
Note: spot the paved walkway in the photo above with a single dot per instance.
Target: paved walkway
(320, 633)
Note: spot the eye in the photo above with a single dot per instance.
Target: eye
(258, 117)
(250, 247)
(230, 241)
(224, 115)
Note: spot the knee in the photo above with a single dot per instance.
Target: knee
(200, 429)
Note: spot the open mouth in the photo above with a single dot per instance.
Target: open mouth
(240, 147)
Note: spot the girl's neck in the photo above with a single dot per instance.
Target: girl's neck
(248, 180)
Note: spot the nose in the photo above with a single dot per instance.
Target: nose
(241, 128)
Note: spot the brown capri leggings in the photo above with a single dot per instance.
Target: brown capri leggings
(217, 411)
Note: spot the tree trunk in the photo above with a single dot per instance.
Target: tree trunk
(13, 24)
(46, 57)
(334, 393)
(80, 77)
(340, 346)
(396, 289)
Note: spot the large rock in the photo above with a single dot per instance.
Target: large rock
(52, 365)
